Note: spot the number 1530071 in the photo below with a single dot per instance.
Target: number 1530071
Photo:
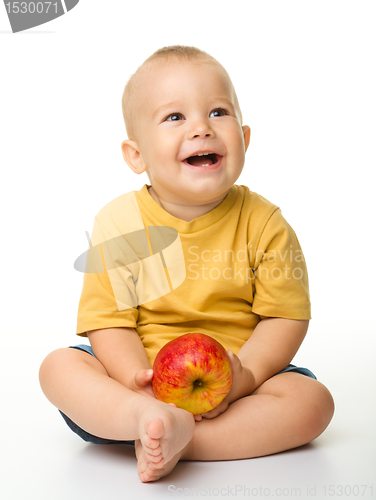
(31, 7)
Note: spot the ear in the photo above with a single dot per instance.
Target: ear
(132, 155)
(246, 135)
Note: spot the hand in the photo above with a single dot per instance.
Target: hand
(242, 385)
(142, 383)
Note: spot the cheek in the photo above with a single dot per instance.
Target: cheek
(165, 145)
(154, 148)
(238, 145)
(233, 136)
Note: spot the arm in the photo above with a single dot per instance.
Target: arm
(121, 352)
(123, 355)
(275, 340)
(271, 347)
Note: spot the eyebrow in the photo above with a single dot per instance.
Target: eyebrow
(165, 106)
(228, 101)
(176, 104)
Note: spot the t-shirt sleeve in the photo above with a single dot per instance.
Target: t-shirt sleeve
(280, 273)
(98, 307)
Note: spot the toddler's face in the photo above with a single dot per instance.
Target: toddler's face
(191, 141)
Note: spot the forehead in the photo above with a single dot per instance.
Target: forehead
(181, 80)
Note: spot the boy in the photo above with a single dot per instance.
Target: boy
(192, 251)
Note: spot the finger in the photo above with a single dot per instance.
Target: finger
(143, 377)
(215, 411)
(210, 414)
(233, 358)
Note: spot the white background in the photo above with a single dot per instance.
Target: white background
(305, 77)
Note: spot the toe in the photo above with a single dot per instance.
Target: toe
(153, 451)
(149, 474)
(150, 443)
(154, 461)
(155, 429)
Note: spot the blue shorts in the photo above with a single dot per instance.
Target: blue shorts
(86, 436)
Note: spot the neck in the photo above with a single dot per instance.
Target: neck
(184, 212)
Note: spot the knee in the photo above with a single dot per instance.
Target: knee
(50, 367)
(319, 411)
(327, 405)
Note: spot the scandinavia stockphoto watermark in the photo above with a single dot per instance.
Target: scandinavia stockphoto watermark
(28, 14)
(215, 264)
(149, 262)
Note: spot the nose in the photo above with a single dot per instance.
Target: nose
(201, 128)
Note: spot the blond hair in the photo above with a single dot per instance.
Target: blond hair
(165, 53)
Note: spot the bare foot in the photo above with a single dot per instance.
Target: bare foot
(164, 432)
(146, 470)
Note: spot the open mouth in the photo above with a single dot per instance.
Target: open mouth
(203, 160)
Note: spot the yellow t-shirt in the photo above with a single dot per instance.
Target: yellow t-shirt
(163, 276)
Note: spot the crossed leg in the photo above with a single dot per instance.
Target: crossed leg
(286, 411)
(79, 385)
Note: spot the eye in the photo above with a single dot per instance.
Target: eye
(218, 112)
(174, 117)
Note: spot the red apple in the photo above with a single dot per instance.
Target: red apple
(192, 371)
